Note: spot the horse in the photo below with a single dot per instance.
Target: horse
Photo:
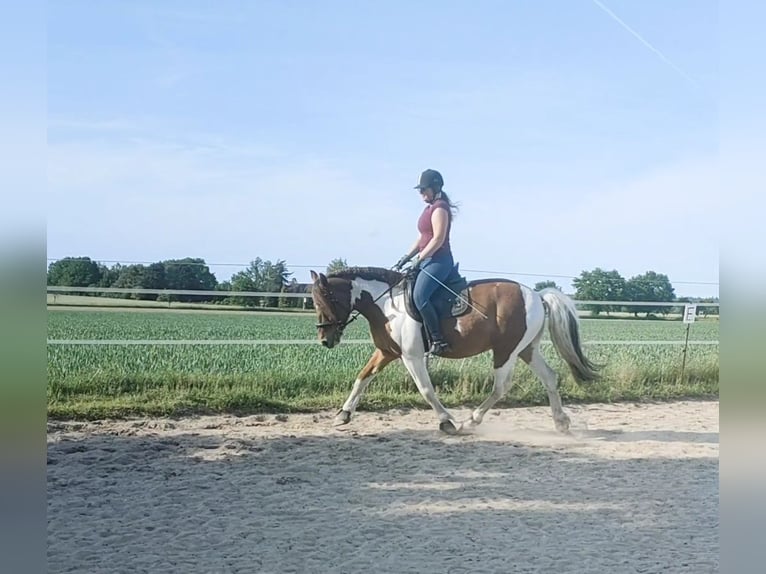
(504, 316)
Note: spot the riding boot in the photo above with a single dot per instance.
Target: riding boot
(431, 319)
(439, 348)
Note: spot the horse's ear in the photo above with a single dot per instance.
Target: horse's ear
(314, 276)
(323, 279)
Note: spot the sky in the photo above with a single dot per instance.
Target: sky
(573, 134)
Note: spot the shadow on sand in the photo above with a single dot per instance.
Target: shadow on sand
(403, 501)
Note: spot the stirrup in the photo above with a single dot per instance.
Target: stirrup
(439, 348)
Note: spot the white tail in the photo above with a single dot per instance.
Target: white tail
(564, 326)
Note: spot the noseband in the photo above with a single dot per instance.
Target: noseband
(340, 324)
(333, 302)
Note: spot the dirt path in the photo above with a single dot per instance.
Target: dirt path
(635, 489)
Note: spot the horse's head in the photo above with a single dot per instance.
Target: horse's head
(332, 301)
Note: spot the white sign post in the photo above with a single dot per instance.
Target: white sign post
(690, 313)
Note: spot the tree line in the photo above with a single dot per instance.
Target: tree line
(188, 274)
(193, 274)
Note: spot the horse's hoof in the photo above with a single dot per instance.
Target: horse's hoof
(342, 418)
(449, 427)
(469, 425)
(563, 426)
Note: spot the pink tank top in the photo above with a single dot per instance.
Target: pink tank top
(427, 231)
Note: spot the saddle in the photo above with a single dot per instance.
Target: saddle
(446, 302)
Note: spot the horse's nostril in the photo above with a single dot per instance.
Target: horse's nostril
(324, 342)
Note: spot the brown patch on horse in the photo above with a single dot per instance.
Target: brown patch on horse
(502, 330)
(512, 321)
(376, 363)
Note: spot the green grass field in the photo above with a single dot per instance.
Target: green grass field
(94, 381)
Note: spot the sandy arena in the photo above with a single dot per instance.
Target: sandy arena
(634, 489)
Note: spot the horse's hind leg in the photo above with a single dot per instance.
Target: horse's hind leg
(503, 374)
(376, 364)
(548, 376)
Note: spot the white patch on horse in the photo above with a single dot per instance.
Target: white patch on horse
(418, 370)
(392, 306)
(356, 393)
(405, 331)
(374, 287)
(533, 303)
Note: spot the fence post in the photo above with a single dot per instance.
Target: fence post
(690, 313)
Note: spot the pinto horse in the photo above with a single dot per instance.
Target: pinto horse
(505, 317)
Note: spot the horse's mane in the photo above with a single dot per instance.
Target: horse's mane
(369, 273)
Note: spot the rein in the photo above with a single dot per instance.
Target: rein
(343, 324)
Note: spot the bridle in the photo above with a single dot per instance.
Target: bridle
(338, 323)
(327, 294)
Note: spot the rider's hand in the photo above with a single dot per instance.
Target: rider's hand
(412, 270)
(401, 262)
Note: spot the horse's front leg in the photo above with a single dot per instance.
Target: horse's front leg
(376, 364)
(416, 366)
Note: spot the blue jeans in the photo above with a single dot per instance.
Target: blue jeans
(440, 267)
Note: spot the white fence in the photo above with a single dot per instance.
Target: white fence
(268, 342)
(137, 291)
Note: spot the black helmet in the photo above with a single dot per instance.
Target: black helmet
(430, 178)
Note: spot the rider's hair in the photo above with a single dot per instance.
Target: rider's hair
(453, 207)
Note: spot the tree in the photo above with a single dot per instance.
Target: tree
(109, 275)
(223, 286)
(74, 272)
(246, 280)
(300, 288)
(540, 285)
(260, 276)
(155, 277)
(133, 277)
(599, 285)
(650, 286)
(336, 265)
(189, 274)
(275, 278)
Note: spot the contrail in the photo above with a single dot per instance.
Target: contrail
(645, 43)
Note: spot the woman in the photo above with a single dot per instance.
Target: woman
(432, 254)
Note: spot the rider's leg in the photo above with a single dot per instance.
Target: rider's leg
(423, 293)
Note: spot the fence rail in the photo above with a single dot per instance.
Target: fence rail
(259, 342)
(137, 291)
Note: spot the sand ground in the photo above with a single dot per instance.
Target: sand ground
(633, 489)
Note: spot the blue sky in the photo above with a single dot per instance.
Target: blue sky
(296, 130)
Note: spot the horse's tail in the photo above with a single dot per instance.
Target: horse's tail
(564, 326)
